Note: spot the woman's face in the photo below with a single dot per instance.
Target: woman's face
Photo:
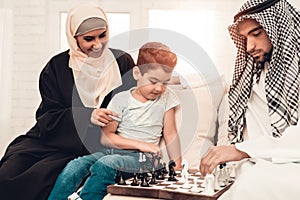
(92, 43)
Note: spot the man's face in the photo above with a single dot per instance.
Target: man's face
(258, 42)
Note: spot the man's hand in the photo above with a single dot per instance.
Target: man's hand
(217, 155)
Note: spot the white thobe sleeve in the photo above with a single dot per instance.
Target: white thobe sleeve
(277, 150)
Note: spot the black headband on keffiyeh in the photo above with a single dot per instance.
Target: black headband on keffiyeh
(281, 21)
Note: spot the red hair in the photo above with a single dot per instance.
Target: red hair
(153, 55)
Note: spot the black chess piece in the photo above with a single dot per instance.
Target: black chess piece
(153, 178)
(161, 171)
(134, 180)
(144, 182)
(159, 175)
(121, 180)
(172, 172)
(164, 169)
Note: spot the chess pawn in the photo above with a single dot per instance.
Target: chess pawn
(223, 176)
(195, 187)
(144, 182)
(203, 184)
(134, 180)
(164, 169)
(140, 157)
(232, 170)
(121, 181)
(210, 180)
(160, 175)
(153, 178)
(216, 181)
(186, 181)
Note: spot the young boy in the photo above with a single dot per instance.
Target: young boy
(147, 113)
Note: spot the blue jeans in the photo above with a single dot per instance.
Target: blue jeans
(102, 167)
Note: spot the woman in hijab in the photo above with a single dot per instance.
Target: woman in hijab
(75, 87)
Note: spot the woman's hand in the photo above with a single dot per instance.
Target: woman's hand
(101, 116)
(217, 155)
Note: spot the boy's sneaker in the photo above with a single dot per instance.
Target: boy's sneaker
(74, 196)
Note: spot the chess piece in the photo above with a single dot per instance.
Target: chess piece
(144, 182)
(121, 180)
(184, 172)
(142, 161)
(209, 188)
(172, 172)
(161, 171)
(134, 180)
(216, 182)
(232, 170)
(223, 175)
(153, 178)
(154, 160)
(186, 184)
(195, 187)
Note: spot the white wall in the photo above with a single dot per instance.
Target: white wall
(33, 38)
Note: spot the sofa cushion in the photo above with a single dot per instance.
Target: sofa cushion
(197, 117)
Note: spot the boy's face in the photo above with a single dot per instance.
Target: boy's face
(152, 83)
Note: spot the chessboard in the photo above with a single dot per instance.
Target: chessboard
(192, 188)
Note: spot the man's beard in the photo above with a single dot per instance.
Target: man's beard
(266, 58)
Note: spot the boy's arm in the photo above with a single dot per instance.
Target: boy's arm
(111, 139)
(171, 138)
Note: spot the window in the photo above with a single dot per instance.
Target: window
(194, 24)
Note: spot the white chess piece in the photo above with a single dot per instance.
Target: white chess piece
(216, 181)
(186, 184)
(223, 176)
(184, 172)
(144, 158)
(210, 180)
(232, 170)
(141, 157)
(195, 187)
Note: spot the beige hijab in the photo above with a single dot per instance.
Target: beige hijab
(94, 77)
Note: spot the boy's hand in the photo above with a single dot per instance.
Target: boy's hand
(148, 147)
